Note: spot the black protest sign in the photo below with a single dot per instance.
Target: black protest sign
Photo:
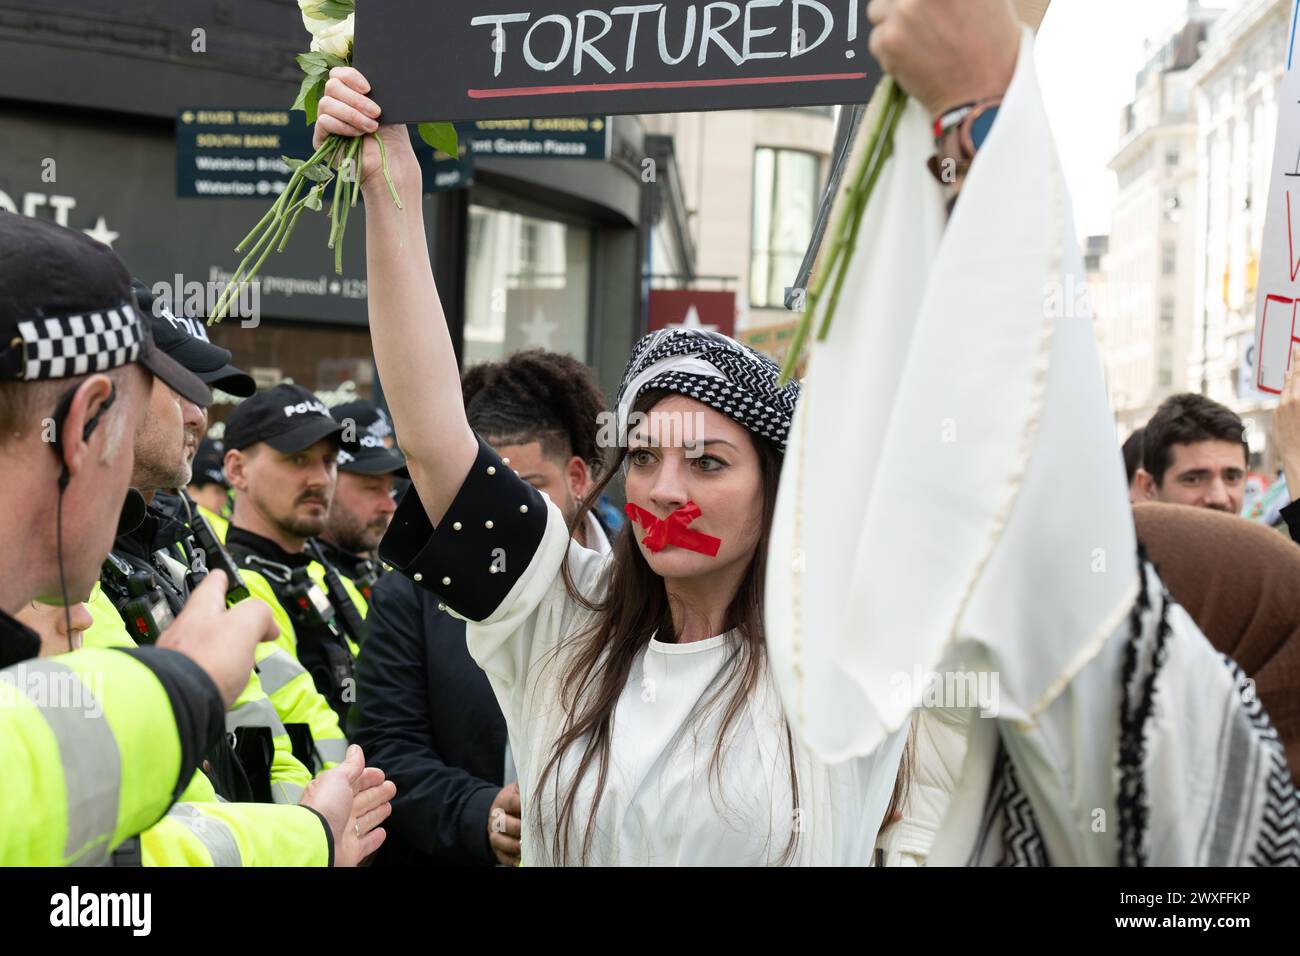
(500, 59)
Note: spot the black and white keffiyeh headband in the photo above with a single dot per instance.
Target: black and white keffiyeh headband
(716, 370)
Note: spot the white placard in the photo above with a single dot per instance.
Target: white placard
(1279, 264)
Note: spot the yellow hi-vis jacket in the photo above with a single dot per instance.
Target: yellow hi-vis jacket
(200, 830)
(286, 682)
(218, 523)
(253, 708)
(236, 834)
(315, 570)
(288, 639)
(91, 752)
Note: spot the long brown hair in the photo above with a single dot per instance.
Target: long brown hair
(636, 607)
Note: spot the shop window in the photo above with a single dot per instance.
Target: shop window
(785, 204)
(529, 234)
(527, 286)
(1172, 205)
(475, 245)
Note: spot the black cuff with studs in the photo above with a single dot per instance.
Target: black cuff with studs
(481, 547)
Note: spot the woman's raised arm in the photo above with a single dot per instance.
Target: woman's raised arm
(408, 329)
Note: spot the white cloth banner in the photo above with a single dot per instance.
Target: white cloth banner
(952, 488)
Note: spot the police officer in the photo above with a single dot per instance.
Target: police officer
(200, 829)
(363, 502)
(152, 568)
(208, 487)
(282, 451)
(76, 364)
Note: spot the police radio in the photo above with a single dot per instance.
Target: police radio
(217, 558)
(311, 610)
(141, 602)
(308, 605)
(321, 648)
(365, 577)
(348, 615)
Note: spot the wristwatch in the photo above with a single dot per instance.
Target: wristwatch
(958, 135)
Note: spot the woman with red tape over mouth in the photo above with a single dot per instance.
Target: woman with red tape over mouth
(642, 717)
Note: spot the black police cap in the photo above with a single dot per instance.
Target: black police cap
(186, 340)
(67, 309)
(209, 464)
(362, 449)
(287, 417)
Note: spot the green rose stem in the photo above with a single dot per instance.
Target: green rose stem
(341, 187)
(883, 148)
(383, 159)
(344, 160)
(274, 228)
(295, 210)
(292, 207)
(268, 228)
(879, 148)
(280, 202)
(279, 231)
(334, 204)
(356, 179)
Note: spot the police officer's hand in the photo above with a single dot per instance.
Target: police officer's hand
(218, 639)
(504, 825)
(946, 52)
(354, 799)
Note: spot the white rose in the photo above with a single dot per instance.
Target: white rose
(312, 18)
(336, 39)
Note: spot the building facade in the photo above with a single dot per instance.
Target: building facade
(1146, 318)
(1235, 86)
(533, 252)
(752, 181)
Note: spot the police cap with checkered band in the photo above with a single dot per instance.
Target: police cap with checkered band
(67, 309)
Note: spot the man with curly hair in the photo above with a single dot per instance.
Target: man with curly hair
(422, 701)
(541, 410)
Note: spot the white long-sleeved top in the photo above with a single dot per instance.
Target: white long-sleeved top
(660, 805)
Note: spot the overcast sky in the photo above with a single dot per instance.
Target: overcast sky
(1089, 52)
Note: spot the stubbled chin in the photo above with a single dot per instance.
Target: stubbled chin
(309, 523)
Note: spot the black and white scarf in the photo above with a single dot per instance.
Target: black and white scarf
(716, 370)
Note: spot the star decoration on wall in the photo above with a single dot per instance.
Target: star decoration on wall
(101, 233)
(538, 330)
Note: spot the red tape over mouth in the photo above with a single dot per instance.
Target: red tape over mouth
(661, 532)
